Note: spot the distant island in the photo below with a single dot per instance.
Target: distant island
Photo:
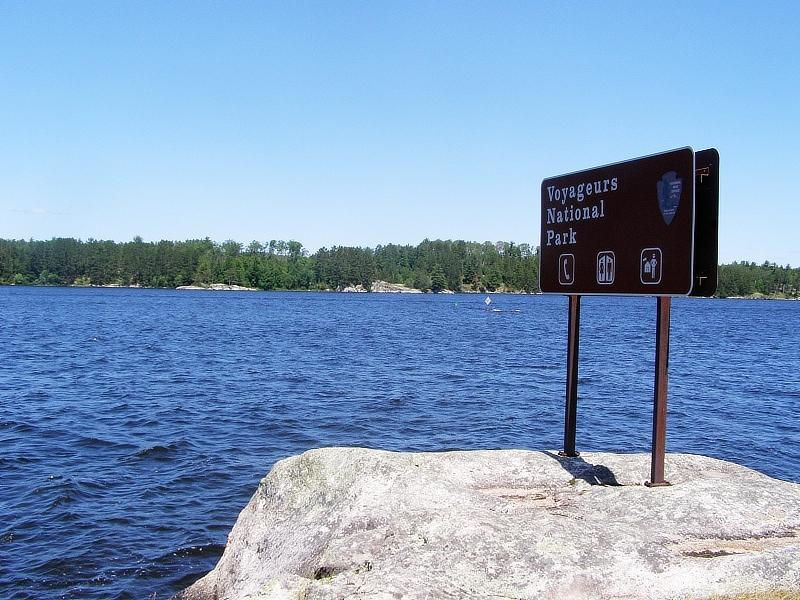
(432, 265)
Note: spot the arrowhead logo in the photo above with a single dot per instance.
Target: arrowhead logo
(669, 195)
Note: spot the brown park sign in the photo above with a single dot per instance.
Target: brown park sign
(647, 226)
(633, 227)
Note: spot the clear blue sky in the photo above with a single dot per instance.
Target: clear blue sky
(373, 122)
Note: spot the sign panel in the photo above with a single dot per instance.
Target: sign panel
(706, 222)
(626, 228)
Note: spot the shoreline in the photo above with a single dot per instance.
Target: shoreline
(217, 287)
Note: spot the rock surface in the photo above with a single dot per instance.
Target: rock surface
(352, 289)
(385, 287)
(349, 522)
(218, 287)
(381, 287)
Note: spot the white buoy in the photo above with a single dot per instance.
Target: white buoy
(488, 301)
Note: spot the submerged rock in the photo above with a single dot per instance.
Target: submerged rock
(350, 522)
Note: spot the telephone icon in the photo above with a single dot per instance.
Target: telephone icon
(566, 269)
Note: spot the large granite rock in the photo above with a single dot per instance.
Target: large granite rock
(349, 522)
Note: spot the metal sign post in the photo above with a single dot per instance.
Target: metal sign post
(643, 227)
(570, 412)
(659, 443)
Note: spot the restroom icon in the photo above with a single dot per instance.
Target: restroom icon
(606, 267)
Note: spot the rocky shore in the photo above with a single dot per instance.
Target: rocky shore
(382, 287)
(218, 287)
(357, 523)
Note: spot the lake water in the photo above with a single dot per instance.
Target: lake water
(135, 424)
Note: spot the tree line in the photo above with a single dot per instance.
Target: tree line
(274, 265)
(750, 279)
(432, 265)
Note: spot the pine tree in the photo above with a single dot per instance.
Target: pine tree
(438, 280)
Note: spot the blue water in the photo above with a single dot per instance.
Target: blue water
(135, 424)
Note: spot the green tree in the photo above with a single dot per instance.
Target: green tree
(492, 280)
(421, 280)
(438, 280)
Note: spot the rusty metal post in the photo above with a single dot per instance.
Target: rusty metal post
(570, 416)
(660, 395)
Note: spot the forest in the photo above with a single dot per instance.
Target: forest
(432, 265)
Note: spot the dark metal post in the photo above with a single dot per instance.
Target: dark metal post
(660, 394)
(570, 416)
